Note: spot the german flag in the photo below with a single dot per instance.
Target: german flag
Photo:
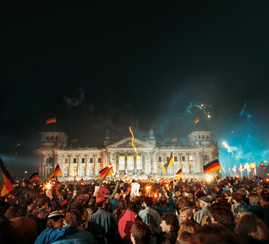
(196, 120)
(179, 172)
(108, 170)
(7, 178)
(56, 172)
(212, 166)
(169, 162)
(34, 176)
(49, 121)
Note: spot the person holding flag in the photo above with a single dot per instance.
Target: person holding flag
(8, 186)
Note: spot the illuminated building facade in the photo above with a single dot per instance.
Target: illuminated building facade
(86, 162)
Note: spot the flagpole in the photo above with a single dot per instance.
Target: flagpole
(55, 121)
(173, 159)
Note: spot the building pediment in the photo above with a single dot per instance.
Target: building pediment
(127, 143)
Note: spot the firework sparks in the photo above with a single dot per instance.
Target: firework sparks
(201, 106)
(130, 129)
(227, 147)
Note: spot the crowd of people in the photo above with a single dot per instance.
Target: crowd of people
(230, 210)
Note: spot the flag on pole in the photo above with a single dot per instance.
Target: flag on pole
(34, 176)
(240, 168)
(254, 168)
(212, 166)
(74, 140)
(246, 166)
(234, 169)
(108, 170)
(49, 121)
(169, 162)
(251, 165)
(224, 169)
(196, 120)
(174, 139)
(56, 172)
(8, 186)
(261, 165)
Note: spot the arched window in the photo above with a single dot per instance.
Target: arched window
(203, 137)
(52, 138)
(199, 136)
(47, 138)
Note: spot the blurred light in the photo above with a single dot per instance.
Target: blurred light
(208, 116)
(209, 178)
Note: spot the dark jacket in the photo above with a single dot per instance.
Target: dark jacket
(170, 237)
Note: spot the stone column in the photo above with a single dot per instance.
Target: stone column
(135, 163)
(117, 163)
(126, 169)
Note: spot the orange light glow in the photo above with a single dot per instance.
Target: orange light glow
(130, 129)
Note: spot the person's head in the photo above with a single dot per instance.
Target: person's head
(131, 206)
(251, 225)
(55, 220)
(100, 202)
(74, 218)
(117, 195)
(222, 215)
(237, 197)
(186, 213)
(204, 202)
(214, 233)
(140, 233)
(163, 200)
(169, 222)
(43, 203)
(184, 238)
(122, 204)
(12, 212)
(188, 226)
(32, 209)
(181, 203)
(254, 198)
(243, 209)
(148, 202)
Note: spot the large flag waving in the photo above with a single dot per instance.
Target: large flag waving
(7, 178)
(169, 162)
(34, 176)
(56, 172)
(49, 121)
(106, 171)
(212, 166)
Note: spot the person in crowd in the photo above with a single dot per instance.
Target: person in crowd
(188, 226)
(170, 227)
(165, 204)
(186, 213)
(80, 236)
(126, 221)
(256, 208)
(55, 230)
(152, 218)
(102, 223)
(222, 215)
(252, 228)
(115, 202)
(140, 233)
(204, 203)
(212, 234)
(121, 208)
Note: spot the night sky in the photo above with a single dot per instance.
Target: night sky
(101, 66)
